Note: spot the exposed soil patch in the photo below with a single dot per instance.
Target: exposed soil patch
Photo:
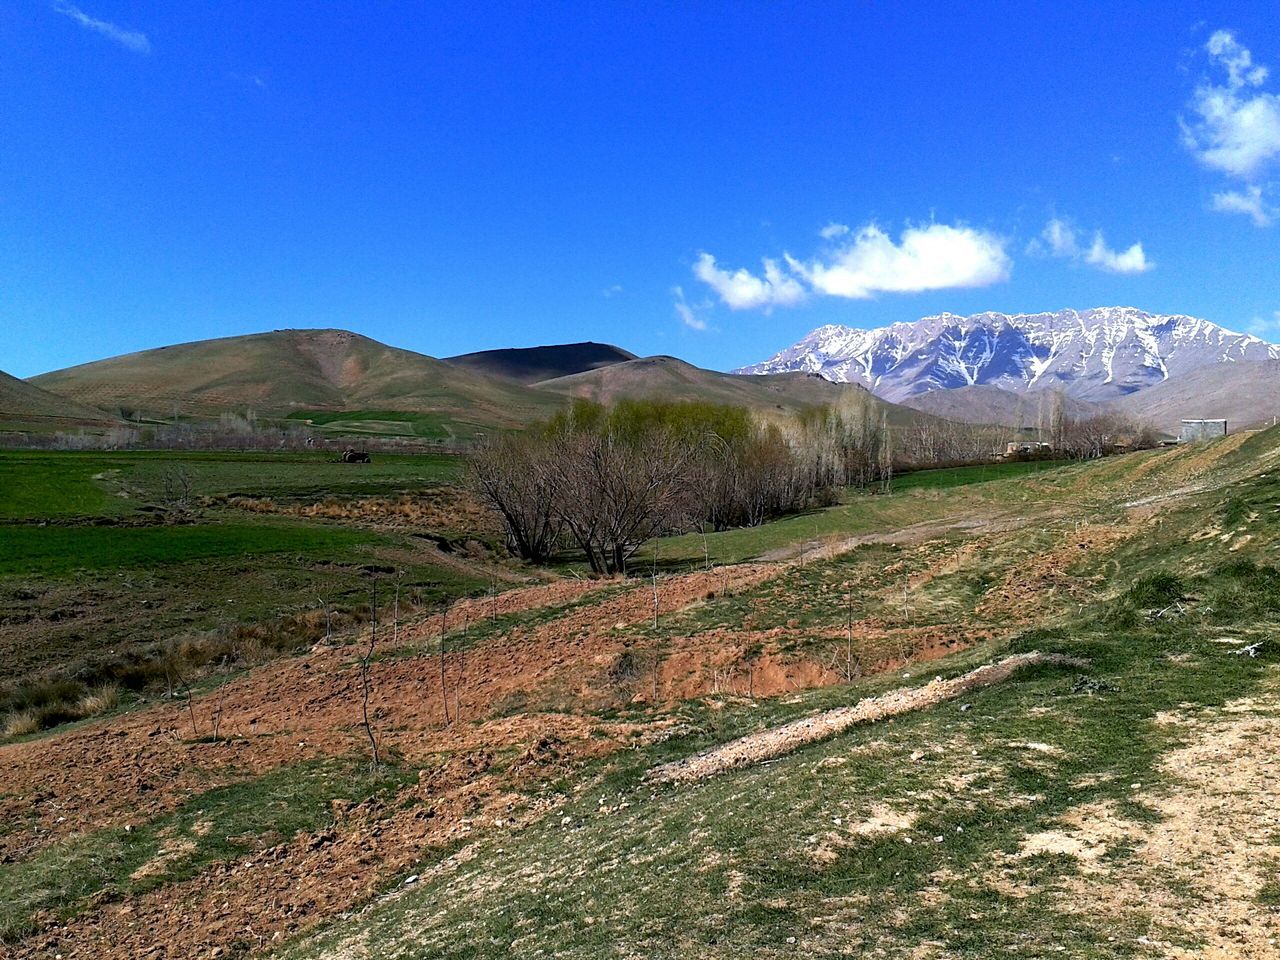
(1199, 867)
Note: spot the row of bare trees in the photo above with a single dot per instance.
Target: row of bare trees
(607, 480)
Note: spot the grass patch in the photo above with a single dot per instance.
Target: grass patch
(54, 485)
(58, 551)
(951, 477)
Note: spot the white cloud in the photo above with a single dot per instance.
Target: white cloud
(1237, 127)
(129, 39)
(743, 290)
(1249, 202)
(865, 263)
(611, 291)
(1226, 50)
(1063, 241)
(1133, 260)
(935, 257)
(1061, 238)
(688, 315)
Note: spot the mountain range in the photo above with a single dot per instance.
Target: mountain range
(313, 374)
(1097, 355)
(985, 368)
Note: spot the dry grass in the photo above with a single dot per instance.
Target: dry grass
(20, 723)
(99, 699)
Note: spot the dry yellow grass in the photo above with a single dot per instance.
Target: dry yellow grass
(20, 723)
(98, 700)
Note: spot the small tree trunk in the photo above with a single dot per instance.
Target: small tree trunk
(365, 685)
(444, 690)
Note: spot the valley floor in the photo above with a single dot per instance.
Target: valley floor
(1117, 798)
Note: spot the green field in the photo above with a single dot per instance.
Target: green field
(116, 551)
(946, 478)
(31, 551)
(38, 485)
(394, 423)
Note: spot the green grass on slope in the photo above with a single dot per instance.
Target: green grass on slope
(431, 426)
(768, 861)
(979, 473)
(914, 498)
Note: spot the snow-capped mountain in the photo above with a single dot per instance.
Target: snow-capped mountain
(1097, 354)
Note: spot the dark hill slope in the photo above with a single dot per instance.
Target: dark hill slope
(532, 364)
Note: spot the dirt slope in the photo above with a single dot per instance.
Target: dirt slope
(25, 402)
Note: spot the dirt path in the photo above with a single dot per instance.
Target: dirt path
(767, 744)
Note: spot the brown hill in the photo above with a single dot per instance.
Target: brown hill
(1246, 394)
(987, 404)
(22, 403)
(666, 378)
(290, 370)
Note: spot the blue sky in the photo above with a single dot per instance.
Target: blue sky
(457, 177)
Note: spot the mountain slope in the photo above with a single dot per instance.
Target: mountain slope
(1244, 396)
(23, 402)
(666, 378)
(1099, 354)
(988, 404)
(532, 364)
(287, 370)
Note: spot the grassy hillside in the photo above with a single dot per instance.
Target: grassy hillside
(1081, 808)
(532, 364)
(1082, 811)
(292, 370)
(25, 403)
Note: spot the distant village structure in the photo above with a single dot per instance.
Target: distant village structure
(1193, 430)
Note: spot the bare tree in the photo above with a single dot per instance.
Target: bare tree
(365, 685)
(515, 476)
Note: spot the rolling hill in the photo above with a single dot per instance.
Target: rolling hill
(987, 404)
(529, 365)
(666, 378)
(287, 371)
(24, 403)
(1246, 395)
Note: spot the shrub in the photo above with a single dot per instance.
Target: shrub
(1156, 591)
